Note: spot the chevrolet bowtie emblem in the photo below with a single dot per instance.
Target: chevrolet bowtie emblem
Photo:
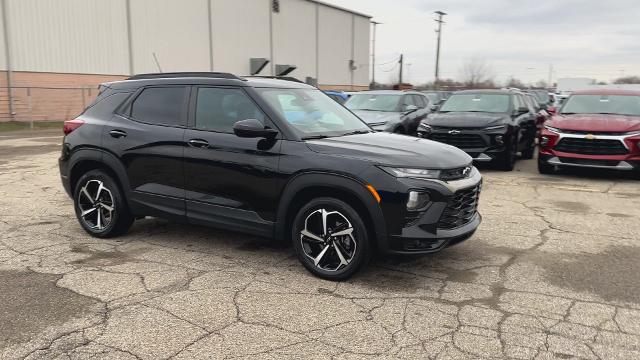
(454, 132)
(590, 137)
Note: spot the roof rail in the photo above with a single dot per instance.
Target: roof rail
(287, 78)
(219, 75)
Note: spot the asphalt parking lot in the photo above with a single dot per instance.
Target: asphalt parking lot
(552, 273)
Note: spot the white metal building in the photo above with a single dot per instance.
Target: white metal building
(67, 43)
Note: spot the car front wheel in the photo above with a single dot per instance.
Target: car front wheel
(100, 206)
(330, 239)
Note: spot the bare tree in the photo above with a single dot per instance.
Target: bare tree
(628, 80)
(477, 73)
(541, 84)
(515, 83)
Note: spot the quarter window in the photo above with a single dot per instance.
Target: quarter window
(218, 109)
(160, 105)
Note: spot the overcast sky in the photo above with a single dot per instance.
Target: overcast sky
(580, 38)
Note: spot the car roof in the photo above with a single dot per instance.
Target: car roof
(388, 92)
(607, 92)
(222, 79)
(488, 91)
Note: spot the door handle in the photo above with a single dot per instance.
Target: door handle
(117, 133)
(199, 143)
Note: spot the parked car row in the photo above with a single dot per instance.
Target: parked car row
(592, 129)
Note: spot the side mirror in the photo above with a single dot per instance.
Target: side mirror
(252, 128)
(552, 110)
(434, 107)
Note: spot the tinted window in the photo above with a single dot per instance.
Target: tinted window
(407, 100)
(493, 103)
(373, 102)
(160, 105)
(419, 101)
(218, 109)
(602, 104)
(106, 106)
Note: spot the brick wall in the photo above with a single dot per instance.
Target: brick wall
(42, 96)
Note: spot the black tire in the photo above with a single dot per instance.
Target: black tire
(356, 250)
(529, 152)
(545, 168)
(88, 197)
(508, 158)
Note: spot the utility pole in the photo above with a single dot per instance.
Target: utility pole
(373, 55)
(401, 63)
(439, 32)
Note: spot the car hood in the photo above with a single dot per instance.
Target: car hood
(377, 117)
(466, 119)
(393, 150)
(596, 122)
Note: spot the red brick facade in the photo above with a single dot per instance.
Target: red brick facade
(42, 96)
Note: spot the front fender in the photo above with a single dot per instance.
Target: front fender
(341, 182)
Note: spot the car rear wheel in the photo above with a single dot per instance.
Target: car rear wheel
(330, 239)
(100, 206)
(508, 159)
(528, 153)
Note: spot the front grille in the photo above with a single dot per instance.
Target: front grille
(591, 146)
(465, 141)
(461, 209)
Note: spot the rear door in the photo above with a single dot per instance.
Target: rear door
(231, 182)
(147, 135)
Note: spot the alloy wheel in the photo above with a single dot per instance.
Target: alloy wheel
(97, 208)
(328, 240)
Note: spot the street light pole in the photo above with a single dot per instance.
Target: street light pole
(439, 32)
(373, 55)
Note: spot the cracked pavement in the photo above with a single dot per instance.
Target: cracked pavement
(552, 273)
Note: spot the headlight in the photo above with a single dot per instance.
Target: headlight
(552, 129)
(497, 127)
(412, 173)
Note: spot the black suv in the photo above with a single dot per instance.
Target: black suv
(268, 157)
(490, 125)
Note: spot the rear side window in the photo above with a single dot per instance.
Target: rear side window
(419, 101)
(106, 106)
(160, 105)
(218, 109)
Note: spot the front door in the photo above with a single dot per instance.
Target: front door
(231, 182)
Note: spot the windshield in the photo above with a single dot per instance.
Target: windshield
(602, 104)
(492, 103)
(313, 114)
(374, 102)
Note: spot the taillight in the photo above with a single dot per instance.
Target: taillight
(71, 125)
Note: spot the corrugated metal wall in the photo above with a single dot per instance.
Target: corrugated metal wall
(92, 37)
(75, 36)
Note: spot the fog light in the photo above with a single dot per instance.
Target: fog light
(544, 141)
(499, 139)
(417, 200)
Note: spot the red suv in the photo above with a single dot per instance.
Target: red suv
(593, 129)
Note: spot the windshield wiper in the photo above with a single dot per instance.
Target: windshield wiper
(312, 137)
(356, 132)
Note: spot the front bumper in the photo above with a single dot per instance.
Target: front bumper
(430, 230)
(482, 145)
(550, 152)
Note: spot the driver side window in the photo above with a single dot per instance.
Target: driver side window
(218, 109)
